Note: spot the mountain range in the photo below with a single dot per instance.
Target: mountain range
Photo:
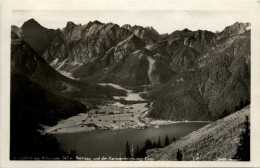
(190, 75)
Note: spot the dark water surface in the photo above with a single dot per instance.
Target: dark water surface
(112, 142)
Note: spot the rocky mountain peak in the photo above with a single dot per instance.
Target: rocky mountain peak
(31, 24)
(70, 24)
(186, 30)
(239, 25)
(91, 23)
(33, 33)
(96, 22)
(151, 29)
(235, 29)
(127, 26)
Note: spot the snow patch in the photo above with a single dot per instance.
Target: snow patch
(67, 74)
(59, 67)
(54, 62)
(148, 46)
(151, 67)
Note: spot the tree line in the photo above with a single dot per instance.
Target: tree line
(242, 103)
(140, 152)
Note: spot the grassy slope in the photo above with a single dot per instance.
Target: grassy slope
(216, 140)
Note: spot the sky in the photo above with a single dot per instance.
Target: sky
(163, 21)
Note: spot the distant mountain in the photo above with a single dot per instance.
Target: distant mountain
(97, 52)
(37, 36)
(120, 64)
(237, 28)
(216, 81)
(80, 44)
(148, 34)
(215, 141)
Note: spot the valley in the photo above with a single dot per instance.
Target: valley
(115, 115)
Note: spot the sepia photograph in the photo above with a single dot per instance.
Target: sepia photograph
(130, 85)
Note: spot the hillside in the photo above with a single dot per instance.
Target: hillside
(47, 108)
(32, 105)
(214, 141)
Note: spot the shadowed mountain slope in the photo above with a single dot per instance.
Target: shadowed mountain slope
(32, 105)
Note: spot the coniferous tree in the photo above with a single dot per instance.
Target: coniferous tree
(142, 152)
(173, 139)
(148, 144)
(159, 145)
(166, 141)
(127, 150)
(73, 154)
(154, 145)
(137, 152)
(243, 148)
(179, 155)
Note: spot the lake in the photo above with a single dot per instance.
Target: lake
(112, 143)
